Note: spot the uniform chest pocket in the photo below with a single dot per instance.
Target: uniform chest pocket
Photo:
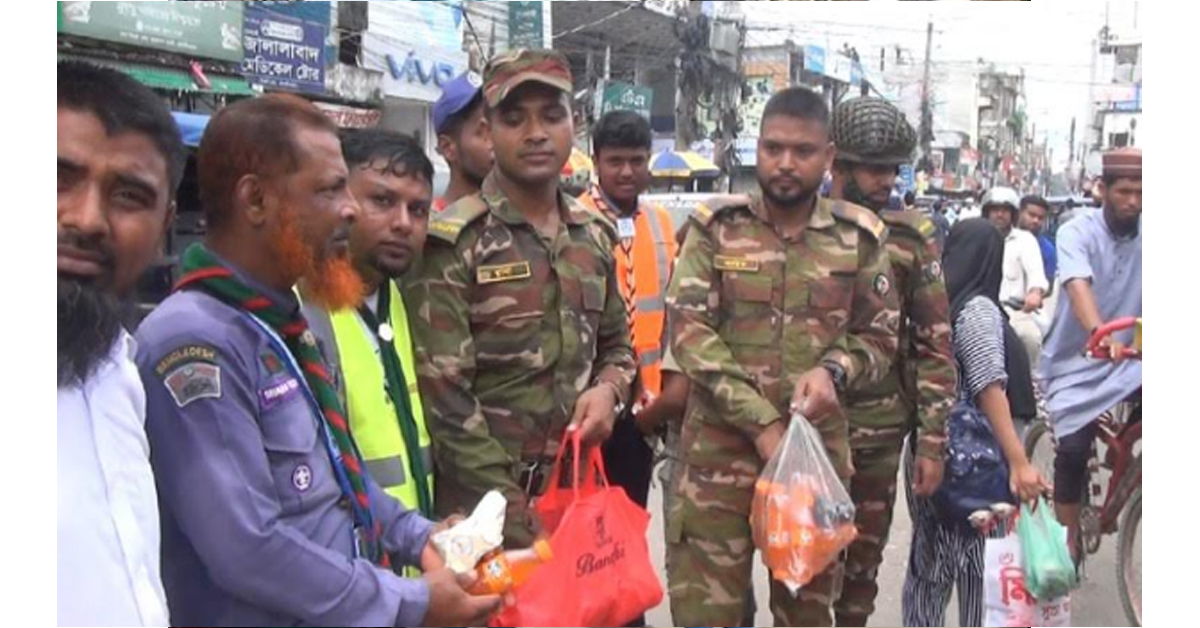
(299, 467)
(749, 310)
(592, 293)
(506, 323)
(833, 294)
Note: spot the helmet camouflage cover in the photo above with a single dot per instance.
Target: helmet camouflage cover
(872, 131)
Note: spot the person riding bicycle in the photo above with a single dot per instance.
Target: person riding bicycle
(1100, 265)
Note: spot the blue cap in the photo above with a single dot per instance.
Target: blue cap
(455, 97)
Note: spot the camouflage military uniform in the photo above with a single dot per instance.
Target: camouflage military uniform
(511, 328)
(751, 313)
(916, 396)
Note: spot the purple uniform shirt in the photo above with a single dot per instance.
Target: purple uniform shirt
(253, 533)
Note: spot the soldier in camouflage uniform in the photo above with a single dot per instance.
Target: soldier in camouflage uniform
(521, 333)
(873, 139)
(778, 302)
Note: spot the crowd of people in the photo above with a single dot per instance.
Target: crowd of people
(349, 362)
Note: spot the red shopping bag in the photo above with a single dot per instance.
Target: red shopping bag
(601, 574)
(553, 504)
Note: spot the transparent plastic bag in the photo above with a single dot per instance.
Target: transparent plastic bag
(1049, 570)
(802, 517)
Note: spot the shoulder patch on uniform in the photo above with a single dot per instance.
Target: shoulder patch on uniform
(882, 285)
(705, 212)
(933, 271)
(277, 392)
(448, 224)
(186, 354)
(271, 361)
(192, 381)
(864, 218)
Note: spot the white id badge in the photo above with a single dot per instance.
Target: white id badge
(625, 228)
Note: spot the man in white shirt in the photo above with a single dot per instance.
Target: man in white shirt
(120, 159)
(1025, 280)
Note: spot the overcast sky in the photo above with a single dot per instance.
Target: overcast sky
(1051, 39)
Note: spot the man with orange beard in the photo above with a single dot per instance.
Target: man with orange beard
(269, 516)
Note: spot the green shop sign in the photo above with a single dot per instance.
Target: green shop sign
(201, 29)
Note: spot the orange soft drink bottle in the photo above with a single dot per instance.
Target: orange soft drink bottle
(501, 572)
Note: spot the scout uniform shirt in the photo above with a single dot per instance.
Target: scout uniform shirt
(254, 533)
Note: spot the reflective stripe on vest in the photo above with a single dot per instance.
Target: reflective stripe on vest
(373, 419)
(662, 246)
(653, 239)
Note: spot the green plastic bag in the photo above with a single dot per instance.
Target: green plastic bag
(1049, 570)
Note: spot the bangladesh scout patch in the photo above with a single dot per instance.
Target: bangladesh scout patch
(186, 354)
(192, 381)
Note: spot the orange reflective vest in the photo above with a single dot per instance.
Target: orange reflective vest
(651, 255)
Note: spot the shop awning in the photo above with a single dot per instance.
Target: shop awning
(173, 79)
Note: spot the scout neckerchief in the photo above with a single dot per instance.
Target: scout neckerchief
(397, 389)
(626, 231)
(203, 271)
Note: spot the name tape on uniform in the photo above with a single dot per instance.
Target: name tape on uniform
(735, 264)
(503, 272)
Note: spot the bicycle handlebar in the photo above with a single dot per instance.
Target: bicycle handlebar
(1108, 329)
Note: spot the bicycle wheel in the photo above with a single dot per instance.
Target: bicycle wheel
(1129, 559)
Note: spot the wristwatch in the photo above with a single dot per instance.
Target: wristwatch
(838, 373)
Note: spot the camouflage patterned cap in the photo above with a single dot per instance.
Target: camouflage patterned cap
(508, 70)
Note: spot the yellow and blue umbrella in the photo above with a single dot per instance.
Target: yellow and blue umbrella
(682, 165)
(577, 163)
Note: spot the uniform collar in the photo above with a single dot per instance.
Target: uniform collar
(821, 218)
(574, 213)
(287, 300)
(609, 207)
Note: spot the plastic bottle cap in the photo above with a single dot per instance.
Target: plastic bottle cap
(542, 548)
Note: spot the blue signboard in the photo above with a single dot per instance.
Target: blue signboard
(814, 59)
(909, 176)
(1130, 105)
(284, 51)
(308, 10)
